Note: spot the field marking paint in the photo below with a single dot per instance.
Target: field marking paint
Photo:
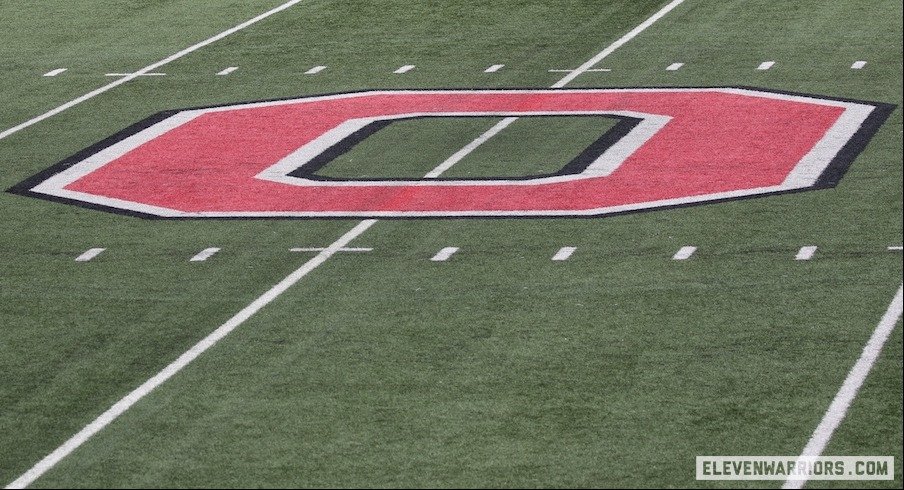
(53, 73)
(585, 71)
(564, 253)
(227, 71)
(130, 399)
(460, 154)
(321, 249)
(190, 355)
(317, 69)
(493, 69)
(848, 391)
(204, 254)
(896, 247)
(89, 254)
(674, 66)
(572, 74)
(805, 253)
(684, 253)
(147, 69)
(444, 254)
(148, 74)
(404, 69)
(858, 65)
(765, 65)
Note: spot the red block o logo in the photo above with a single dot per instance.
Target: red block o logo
(672, 147)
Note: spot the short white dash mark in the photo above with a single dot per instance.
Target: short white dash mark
(564, 253)
(765, 65)
(89, 254)
(227, 71)
(895, 247)
(674, 66)
(858, 65)
(404, 69)
(53, 73)
(444, 254)
(493, 69)
(204, 254)
(317, 69)
(805, 253)
(684, 253)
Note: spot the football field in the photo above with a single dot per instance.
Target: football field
(245, 340)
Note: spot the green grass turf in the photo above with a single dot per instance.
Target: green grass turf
(497, 368)
(528, 146)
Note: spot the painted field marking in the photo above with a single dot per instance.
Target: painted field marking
(444, 254)
(564, 253)
(493, 69)
(684, 253)
(147, 69)
(858, 65)
(183, 360)
(805, 253)
(223, 330)
(53, 73)
(204, 254)
(403, 69)
(765, 65)
(460, 154)
(89, 254)
(895, 247)
(848, 391)
(227, 71)
(321, 249)
(583, 71)
(317, 69)
(147, 74)
(674, 66)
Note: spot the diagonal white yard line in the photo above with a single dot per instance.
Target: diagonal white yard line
(148, 386)
(587, 66)
(147, 69)
(848, 391)
(207, 342)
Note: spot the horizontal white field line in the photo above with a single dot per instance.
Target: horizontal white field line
(557, 70)
(317, 69)
(494, 69)
(53, 73)
(321, 249)
(148, 74)
(227, 71)
(404, 69)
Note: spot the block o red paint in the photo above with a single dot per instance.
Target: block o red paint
(673, 146)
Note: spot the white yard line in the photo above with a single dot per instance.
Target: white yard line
(204, 254)
(169, 371)
(684, 253)
(148, 74)
(572, 74)
(147, 69)
(896, 247)
(89, 254)
(805, 253)
(848, 391)
(190, 355)
(53, 73)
